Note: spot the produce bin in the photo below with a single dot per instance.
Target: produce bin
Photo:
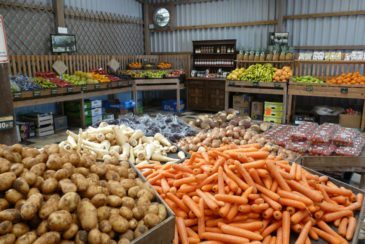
(163, 232)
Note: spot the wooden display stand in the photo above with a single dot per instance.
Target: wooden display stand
(157, 85)
(271, 88)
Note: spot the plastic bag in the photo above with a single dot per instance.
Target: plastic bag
(345, 136)
(355, 150)
(323, 134)
(322, 150)
(303, 131)
(298, 146)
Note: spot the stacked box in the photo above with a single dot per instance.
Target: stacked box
(241, 103)
(257, 110)
(43, 123)
(273, 112)
(92, 112)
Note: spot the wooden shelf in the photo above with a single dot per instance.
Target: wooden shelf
(265, 61)
(214, 54)
(215, 66)
(330, 61)
(205, 78)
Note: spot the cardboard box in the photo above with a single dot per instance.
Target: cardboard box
(273, 119)
(271, 113)
(93, 120)
(93, 112)
(242, 104)
(350, 120)
(257, 110)
(274, 106)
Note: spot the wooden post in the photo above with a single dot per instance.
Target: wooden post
(178, 95)
(59, 11)
(280, 8)
(226, 97)
(146, 31)
(6, 105)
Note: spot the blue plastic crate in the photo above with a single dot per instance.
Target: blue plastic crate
(170, 105)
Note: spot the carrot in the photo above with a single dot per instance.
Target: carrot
(165, 186)
(298, 174)
(286, 227)
(318, 214)
(329, 217)
(326, 236)
(186, 180)
(267, 181)
(209, 202)
(274, 204)
(339, 199)
(191, 233)
(350, 228)
(304, 233)
(253, 196)
(258, 208)
(209, 195)
(266, 240)
(213, 222)
(290, 209)
(192, 206)
(223, 211)
(181, 167)
(274, 186)
(271, 228)
(232, 212)
(292, 172)
(255, 176)
(186, 188)
(193, 240)
(177, 201)
(337, 222)
(278, 177)
(181, 229)
(244, 173)
(231, 198)
(321, 224)
(338, 191)
(190, 222)
(312, 194)
(220, 181)
(208, 180)
(277, 215)
(201, 220)
(259, 200)
(267, 214)
(252, 226)
(211, 242)
(223, 238)
(294, 196)
(343, 227)
(213, 229)
(292, 203)
(228, 229)
(257, 154)
(176, 236)
(231, 184)
(235, 178)
(313, 234)
(307, 241)
(269, 193)
(297, 228)
(244, 208)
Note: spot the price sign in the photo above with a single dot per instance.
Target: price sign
(277, 85)
(255, 83)
(344, 90)
(97, 86)
(17, 94)
(84, 88)
(36, 93)
(54, 91)
(3, 46)
(6, 122)
(309, 88)
(70, 89)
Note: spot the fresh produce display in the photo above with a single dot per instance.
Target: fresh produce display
(307, 79)
(348, 79)
(241, 194)
(14, 87)
(25, 83)
(236, 74)
(75, 80)
(148, 66)
(164, 65)
(59, 82)
(283, 75)
(168, 125)
(88, 77)
(101, 71)
(57, 196)
(259, 73)
(154, 74)
(326, 139)
(135, 65)
(115, 143)
(175, 73)
(44, 83)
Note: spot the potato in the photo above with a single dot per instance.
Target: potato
(12, 196)
(66, 185)
(81, 237)
(74, 158)
(119, 224)
(132, 192)
(38, 169)
(7, 239)
(112, 175)
(98, 169)
(4, 204)
(138, 212)
(151, 220)
(67, 242)
(162, 212)
(105, 226)
(49, 207)
(48, 238)
(49, 186)
(132, 175)
(99, 200)
(105, 238)
(87, 215)
(20, 229)
(42, 228)
(70, 232)
(143, 201)
(6, 180)
(123, 171)
(129, 235)
(123, 241)
(69, 202)
(127, 183)
(140, 230)
(30, 177)
(59, 220)
(126, 213)
(5, 227)
(50, 149)
(133, 224)
(27, 238)
(92, 190)
(116, 188)
(103, 213)
(31, 206)
(114, 201)
(54, 162)
(4, 165)
(17, 168)
(39, 182)
(146, 193)
(153, 208)
(18, 205)
(80, 181)
(21, 185)
(62, 174)
(33, 191)
(49, 174)
(82, 170)
(10, 214)
(94, 236)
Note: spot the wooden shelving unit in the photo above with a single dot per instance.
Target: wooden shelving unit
(270, 88)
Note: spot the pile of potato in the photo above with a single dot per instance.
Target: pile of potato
(54, 196)
(233, 133)
(114, 143)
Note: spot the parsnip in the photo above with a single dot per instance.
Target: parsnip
(131, 155)
(181, 154)
(125, 152)
(159, 137)
(133, 140)
(162, 158)
(119, 136)
(149, 150)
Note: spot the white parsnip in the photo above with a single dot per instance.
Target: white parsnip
(159, 137)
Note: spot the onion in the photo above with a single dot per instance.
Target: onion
(236, 141)
(229, 133)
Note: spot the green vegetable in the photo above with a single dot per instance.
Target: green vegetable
(259, 73)
(307, 79)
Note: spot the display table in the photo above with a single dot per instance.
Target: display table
(271, 88)
(325, 90)
(157, 85)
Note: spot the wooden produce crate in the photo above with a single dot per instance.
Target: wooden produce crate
(163, 232)
(22, 95)
(101, 86)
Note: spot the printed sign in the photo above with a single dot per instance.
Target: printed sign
(3, 47)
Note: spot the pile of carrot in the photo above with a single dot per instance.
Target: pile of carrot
(241, 194)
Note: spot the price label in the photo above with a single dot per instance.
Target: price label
(309, 88)
(109, 85)
(277, 85)
(6, 122)
(97, 86)
(70, 89)
(54, 91)
(84, 88)
(344, 90)
(255, 83)
(36, 93)
(17, 94)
